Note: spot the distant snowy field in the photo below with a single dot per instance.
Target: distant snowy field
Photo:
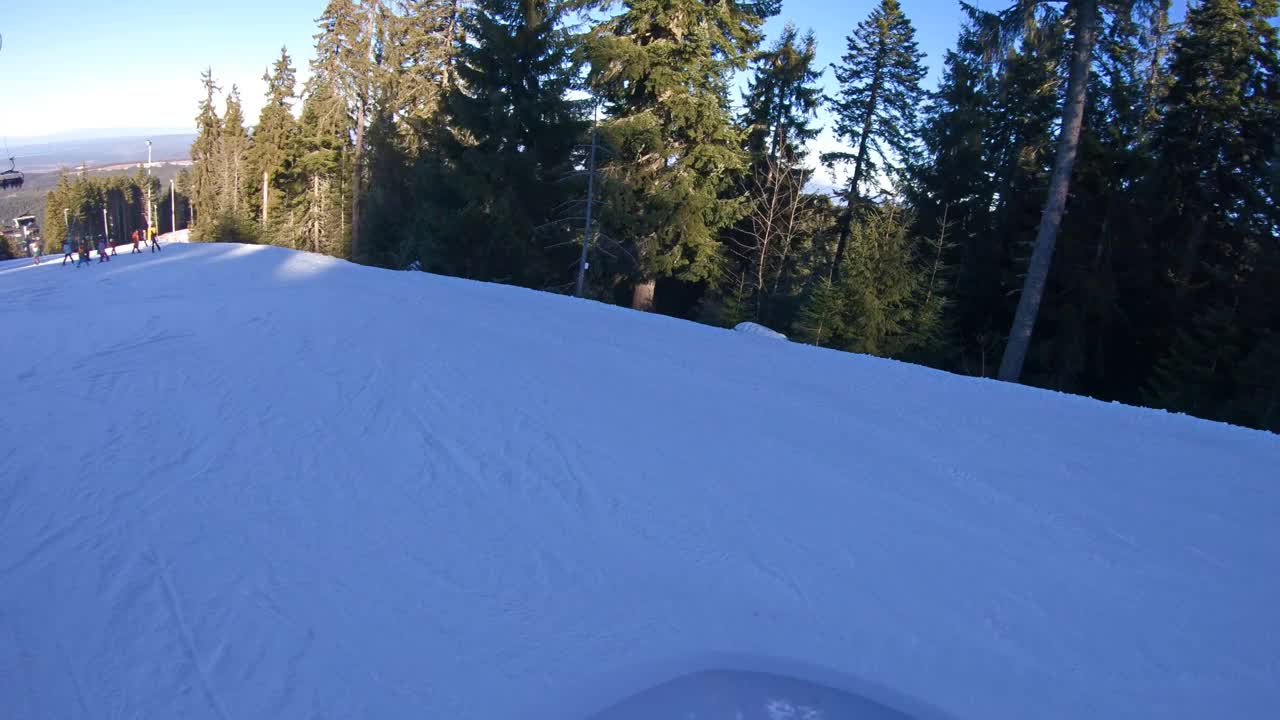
(244, 482)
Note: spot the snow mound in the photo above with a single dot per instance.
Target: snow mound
(245, 482)
(178, 236)
(751, 328)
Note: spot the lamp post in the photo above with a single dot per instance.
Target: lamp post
(173, 195)
(150, 217)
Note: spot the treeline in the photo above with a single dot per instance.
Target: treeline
(1087, 202)
(84, 208)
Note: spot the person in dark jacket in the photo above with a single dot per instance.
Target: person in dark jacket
(84, 253)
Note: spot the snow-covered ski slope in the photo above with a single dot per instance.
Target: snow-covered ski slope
(244, 482)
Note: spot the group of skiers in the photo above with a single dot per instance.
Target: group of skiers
(69, 248)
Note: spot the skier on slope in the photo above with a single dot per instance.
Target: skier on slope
(35, 251)
(102, 249)
(66, 252)
(136, 237)
(155, 244)
(84, 253)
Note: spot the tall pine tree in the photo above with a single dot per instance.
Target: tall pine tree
(318, 213)
(782, 97)
(349, 59)
(875, 110)
(419, 51)
(1216, 239)
(662, 67)
(1087, 23)
(274, 139)
(233, 158)
(507, 147)
(204, 154)
(953, 190)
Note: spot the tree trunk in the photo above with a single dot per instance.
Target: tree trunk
(859, 170)
(642, 295)
(1024, 320)
(356, 184)
(266, 180)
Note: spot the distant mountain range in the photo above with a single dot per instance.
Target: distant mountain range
(105, 152)
(68, 151)
(98, 134)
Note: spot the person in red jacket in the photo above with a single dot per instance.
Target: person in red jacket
(136, 237)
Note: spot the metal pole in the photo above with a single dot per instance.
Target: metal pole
(106, 229)
(591, 183)
(150, 216)
(173, 207)
(66, 227)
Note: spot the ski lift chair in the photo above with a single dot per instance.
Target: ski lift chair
(11, 178)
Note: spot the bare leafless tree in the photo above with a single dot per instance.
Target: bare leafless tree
(775, 203)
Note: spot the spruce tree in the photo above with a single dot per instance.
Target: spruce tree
(1086, 23)
(1217, 143)
(782, 97)
(388, 221)
(318, 213)
(508, 144)
(1020, 143)
(349, 58)
(952, 188)
(822, 316)
(204, 153)
(1196, 374)
(888, 300)
(1098, 288)
(1217, 217)
(662, 69)
(233, 156)
(419, 50)
(892, 299)
(274, 139)
(876, 107)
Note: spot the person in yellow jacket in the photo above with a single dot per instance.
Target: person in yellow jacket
(151, 238)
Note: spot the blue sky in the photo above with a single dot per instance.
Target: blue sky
(71, 64)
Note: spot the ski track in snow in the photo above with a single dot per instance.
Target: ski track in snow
(241, 482)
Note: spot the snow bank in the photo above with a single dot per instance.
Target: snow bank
(178, 236)
(245, 482)
(751, 328)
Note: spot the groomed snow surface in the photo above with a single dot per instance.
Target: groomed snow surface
(245, 482)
